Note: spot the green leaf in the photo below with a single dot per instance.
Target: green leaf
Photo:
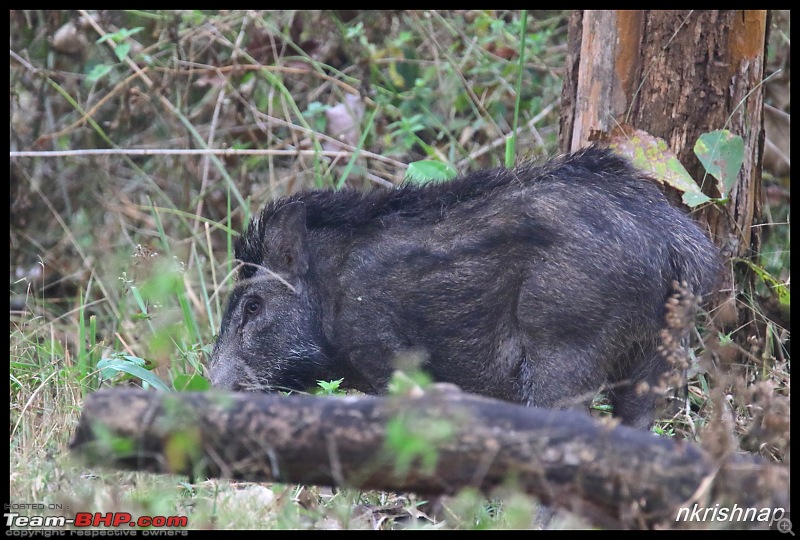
(193, 17)
(404, 384)
(122, 446)
(411, 439)
(182, 448)
(779, 288)
(109, 443)
(315, 108)
(329, 388)
(98, 72)
(722, 154)
(190, 383)
(122, 51)
(121, 34)
(422, 172)
(354, 31)
(131, 365)
(694, 198)
(167, 281)
(652, 155)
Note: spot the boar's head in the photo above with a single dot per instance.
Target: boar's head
(269, 336)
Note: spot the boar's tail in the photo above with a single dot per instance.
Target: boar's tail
(695, 260)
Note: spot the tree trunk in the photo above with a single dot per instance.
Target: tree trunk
(435, 443)
(675, 75)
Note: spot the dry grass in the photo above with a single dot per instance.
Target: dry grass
(125, 256)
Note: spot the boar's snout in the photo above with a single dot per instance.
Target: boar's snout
(224, 376)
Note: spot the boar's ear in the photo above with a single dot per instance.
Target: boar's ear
(286, 237)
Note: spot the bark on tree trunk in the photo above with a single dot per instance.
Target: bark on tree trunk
(436, 443)
(675, 75)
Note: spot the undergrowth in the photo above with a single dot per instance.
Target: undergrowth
(119, 262)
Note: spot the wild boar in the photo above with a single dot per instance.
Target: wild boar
(537, 284)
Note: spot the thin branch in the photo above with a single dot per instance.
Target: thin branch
(227, 152)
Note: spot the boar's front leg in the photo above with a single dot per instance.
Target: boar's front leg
(366, 367)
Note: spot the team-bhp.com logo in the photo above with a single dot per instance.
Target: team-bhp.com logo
(95, 519)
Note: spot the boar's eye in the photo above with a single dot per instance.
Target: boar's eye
(252, 306)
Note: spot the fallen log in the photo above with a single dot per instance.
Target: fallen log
(435, 443)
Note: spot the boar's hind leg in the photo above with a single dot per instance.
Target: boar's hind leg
(635, 403)
(563, 379)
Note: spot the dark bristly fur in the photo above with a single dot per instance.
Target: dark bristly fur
(537, 284)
